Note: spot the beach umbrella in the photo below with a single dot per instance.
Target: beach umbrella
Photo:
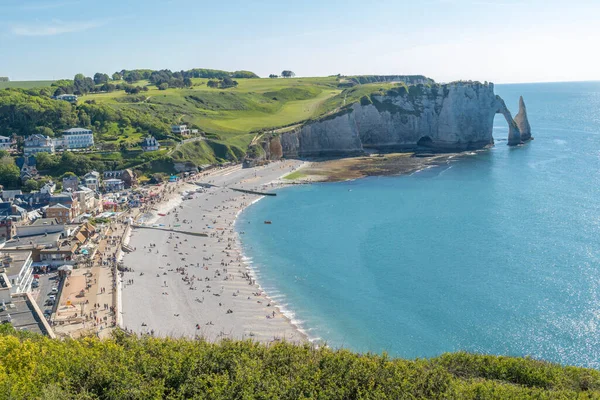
(65, 268)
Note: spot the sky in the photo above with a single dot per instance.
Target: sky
(502, 41)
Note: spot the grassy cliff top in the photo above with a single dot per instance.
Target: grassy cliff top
(125, 367)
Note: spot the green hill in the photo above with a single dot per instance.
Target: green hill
(121, 113)
(25, 84)
(126, 367)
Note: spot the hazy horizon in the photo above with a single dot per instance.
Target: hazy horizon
(500, 41)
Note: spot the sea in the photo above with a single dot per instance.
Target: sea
(494, 252)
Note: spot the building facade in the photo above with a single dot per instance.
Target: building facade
(5, 143)
(77, 138)
(61, 213)
(91, 180)
(182, 130)
(114, 185)
(71, 98)
(37, 143)
(150, 144)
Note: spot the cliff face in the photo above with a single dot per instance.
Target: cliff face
(452, 117)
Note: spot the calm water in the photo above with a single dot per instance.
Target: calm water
(497, 252)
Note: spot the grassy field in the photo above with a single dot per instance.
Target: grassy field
(25, 84)
(256, 104)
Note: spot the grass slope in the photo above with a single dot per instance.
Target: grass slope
(25, 84)
(32, 366)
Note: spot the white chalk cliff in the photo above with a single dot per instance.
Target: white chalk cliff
(449, 117)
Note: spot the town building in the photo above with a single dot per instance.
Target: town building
(71, 98)
(17, 267)
(10, 195)
(67, 199)
(42, 226)
(150, 144)
(91, 180)
(60, 212)
(70, 183)
(77, 138)
(27, 165)
(49, 188)
(126, 175)
(37, 143)
(90, 202)
(180, 130)
(113, 185)
(5, 143)
(7, 227)
(32, 201)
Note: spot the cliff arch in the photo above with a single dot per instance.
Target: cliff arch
(514, 134)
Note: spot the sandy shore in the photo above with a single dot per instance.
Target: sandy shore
(184, 285)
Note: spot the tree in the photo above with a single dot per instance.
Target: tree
(187, 82)
(287, 74)
(163, 86)
(30, 185)
(273, 76)
(212, 84)
(100, 78)
(116, 76)
(44, 130)
(9, 173)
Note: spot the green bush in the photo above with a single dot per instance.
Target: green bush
(33, 366)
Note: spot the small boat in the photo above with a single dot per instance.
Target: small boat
(162, 215)
(268, 222)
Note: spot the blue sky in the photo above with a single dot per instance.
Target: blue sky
(495, 40)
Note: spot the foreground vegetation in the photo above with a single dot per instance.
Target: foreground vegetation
(126, 367)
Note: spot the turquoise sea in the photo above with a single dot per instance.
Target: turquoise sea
(497, 252)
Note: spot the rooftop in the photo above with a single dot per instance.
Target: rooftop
(13, 261)
(49, 239)
(23, 315)
(45, 221)
(77, 131)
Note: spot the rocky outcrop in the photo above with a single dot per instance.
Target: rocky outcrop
(450, 117)
(522, 121)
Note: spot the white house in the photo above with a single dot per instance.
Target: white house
(78, 138)
(91, 180)
(67, 97)
(5, 143)
(180, 130)
(37, 143)
(49, 188)
(114, 185)
(150, 144)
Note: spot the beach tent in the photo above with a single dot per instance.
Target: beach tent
(65, 268)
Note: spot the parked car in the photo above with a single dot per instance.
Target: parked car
(49, 302)
(35, 284)
(52, 297)
(54, 290)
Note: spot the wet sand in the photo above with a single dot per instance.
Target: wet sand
(184, 285)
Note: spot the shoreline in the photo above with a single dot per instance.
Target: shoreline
(174, 204)
(250, 324)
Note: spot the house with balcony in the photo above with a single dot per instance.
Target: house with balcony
(18, 268)
(91, 180)
(182, 130)
(126, 175)
(114, 185)
(49, 188)
(37, 143)
(77, 138)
